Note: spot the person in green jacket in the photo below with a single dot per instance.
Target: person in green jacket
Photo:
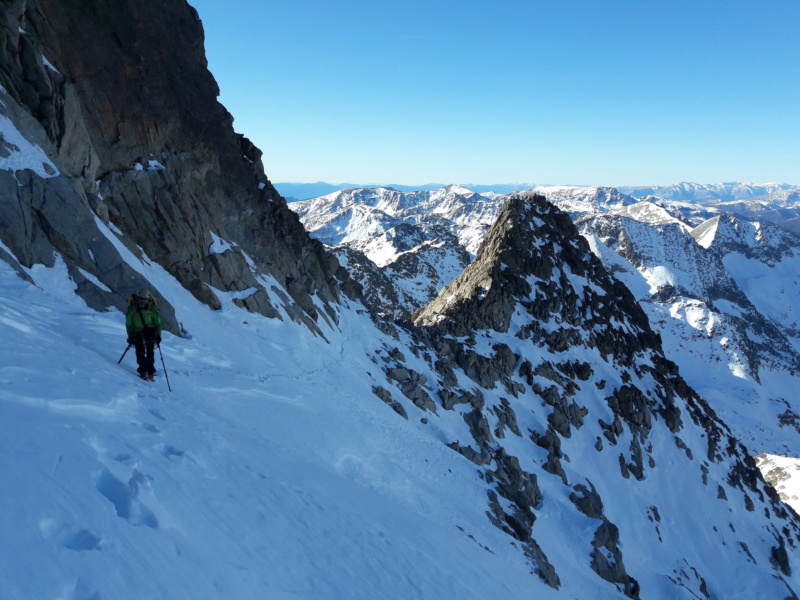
(143, 323)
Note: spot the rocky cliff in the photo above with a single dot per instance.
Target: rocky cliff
(136, 141)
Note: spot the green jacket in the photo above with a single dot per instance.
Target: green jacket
(137, 320)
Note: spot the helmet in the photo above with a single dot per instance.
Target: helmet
(143, 293)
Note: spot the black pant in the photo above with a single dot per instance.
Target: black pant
(145, 355)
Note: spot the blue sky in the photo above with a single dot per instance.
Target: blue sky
(613, 92)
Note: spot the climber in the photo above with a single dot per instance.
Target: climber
(143, 323)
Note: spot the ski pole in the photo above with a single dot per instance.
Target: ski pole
(124, 353)
(165, 367)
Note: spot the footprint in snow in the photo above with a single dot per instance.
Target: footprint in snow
(126, 497)
(70, 537)
(168, 451)
(156, 414)
(146, 426)
(125, 459)
(150, 428)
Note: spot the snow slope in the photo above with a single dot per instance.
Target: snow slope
(271, 470)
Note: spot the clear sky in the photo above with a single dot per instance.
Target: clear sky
(590, 92)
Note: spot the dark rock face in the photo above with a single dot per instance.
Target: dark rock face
(142, 144)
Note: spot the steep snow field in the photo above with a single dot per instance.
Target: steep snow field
(271, 470)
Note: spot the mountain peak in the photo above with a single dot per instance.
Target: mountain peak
(533, 262)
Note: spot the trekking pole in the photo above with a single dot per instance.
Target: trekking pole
(165, 367)
(124, 353)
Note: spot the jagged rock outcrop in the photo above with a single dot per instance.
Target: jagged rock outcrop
(141, 147)
(521, 260)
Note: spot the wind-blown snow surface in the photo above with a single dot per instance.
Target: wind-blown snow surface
(271, 470)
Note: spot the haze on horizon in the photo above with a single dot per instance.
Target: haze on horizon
(576, 92)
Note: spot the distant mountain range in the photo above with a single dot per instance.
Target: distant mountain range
(721, 192)
(776, 203)
(305, 191)
(693, 192)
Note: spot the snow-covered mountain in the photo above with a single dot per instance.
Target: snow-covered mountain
(419, 240)
(354, 216)
(777, 203)
(722, 295)
(579, 201)
(389, 226)
(702, 193)
(533, 285)
(525, 436)
(719, 289)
